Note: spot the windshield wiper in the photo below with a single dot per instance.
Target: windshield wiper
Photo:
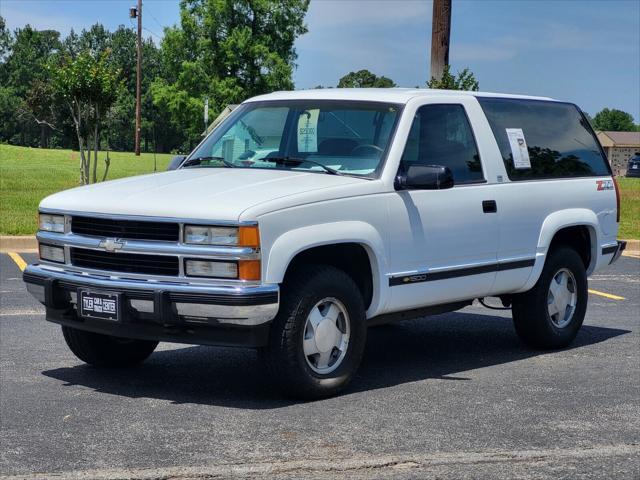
(298, 161)
(199, 160)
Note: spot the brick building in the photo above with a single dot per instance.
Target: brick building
(619, 147)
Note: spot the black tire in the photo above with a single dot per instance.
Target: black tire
(284, 355)
(531, 317)
(107, 351)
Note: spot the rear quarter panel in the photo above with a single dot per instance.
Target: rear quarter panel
(532, 212)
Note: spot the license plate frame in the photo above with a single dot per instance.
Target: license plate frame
(100, 305)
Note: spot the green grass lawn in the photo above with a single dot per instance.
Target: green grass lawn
(630, 207)
(27, 175)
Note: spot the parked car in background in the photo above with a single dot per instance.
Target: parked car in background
(307, 216)
(633, 168)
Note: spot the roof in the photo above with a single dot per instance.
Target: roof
(391, 95)
(619, 139)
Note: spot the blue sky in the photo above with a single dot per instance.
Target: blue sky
(584, 51)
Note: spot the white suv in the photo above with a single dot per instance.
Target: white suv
(365, 206)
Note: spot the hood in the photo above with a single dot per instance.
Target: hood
(197, 193)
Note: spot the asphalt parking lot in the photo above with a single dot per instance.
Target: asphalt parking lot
(454, 396)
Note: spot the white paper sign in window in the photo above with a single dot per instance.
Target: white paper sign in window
(308, 131)
(519, 150)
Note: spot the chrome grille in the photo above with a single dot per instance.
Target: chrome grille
(127, 229)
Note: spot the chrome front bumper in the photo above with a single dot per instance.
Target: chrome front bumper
(169, 306)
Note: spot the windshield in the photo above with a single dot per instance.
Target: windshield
(336, 137)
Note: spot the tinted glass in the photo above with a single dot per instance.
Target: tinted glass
(349, 137)
(441, 135)
(559, 140)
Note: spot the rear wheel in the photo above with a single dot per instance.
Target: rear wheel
(318, 337)
(551, 313)
(107, 351)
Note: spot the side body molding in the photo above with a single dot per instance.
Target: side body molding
(555, 222)
(292, 242)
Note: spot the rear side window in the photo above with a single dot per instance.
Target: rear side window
(441, 135)
(560, 142)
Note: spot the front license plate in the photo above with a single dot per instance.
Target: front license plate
(102, 305)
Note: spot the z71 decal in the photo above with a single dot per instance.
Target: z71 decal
(604, 184)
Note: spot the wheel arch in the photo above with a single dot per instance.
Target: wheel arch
(578, 228)
(341, 244)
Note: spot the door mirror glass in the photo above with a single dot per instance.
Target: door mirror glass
(176, 162)
(424, 177)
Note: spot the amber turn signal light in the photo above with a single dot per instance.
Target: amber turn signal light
(249, 269)
(249, 236)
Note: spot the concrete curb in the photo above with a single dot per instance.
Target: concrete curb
(23, 243)
(633, 246)
(27, 243)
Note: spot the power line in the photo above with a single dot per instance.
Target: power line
(154, 18)
(152, 32)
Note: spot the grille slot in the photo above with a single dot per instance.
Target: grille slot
(128, 229)
(125, 262)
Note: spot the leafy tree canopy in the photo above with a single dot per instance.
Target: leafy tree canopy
(464, 80)
(6, 39)
(88, 85)
(30, 52)
(227, 50)
(614, 120)
(365, 79)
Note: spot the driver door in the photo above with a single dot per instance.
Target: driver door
(443, 243)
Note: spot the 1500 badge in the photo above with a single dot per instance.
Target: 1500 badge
(604, 184)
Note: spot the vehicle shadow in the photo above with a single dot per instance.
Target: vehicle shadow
(444, 347)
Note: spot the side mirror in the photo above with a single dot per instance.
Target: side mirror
(425, 177)
(176, 162)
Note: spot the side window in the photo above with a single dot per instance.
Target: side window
(441, 135)
(560, 143)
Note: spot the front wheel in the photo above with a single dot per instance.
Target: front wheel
(318, 337)
(551, 313)
(107, 351)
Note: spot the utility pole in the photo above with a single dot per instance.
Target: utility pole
(206, 114)
(440, 35)
(137, 13)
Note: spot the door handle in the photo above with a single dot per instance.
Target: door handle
(489, 206)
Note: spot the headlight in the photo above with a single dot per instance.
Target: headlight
(208, 235)
(52, 223)
(208, 268)
(51, 253)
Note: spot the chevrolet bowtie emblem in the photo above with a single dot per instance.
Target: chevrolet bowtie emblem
(111, 244)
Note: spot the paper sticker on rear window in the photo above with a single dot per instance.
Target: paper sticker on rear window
(308, 131)
(519, 150)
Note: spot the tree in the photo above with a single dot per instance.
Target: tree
(88, 86)
(614, 120)
(364, 79)
(6, 46)
(6, 40)
(29, 55)
(41, 107)
(11, 122)
(464, 80)
(226, 50)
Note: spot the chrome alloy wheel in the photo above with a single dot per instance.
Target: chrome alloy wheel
(562, 298)
(326, 335)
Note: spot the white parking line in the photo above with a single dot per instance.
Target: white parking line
(16, 312)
